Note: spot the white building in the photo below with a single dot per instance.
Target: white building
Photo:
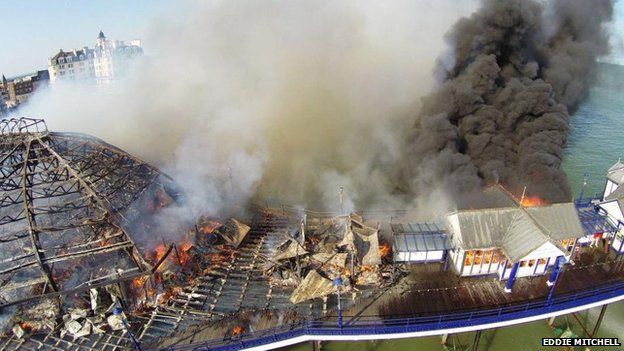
(102, 64)
(113, 58)
(71, 65)
(491, 241)
(613, 203)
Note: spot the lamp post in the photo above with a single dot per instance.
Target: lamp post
(338, 284)
(117, 311)
(341, 192)
(585, 176)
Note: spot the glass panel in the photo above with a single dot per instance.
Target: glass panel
(469, 258)
(478, 257)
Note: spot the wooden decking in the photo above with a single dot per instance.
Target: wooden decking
(428, 289)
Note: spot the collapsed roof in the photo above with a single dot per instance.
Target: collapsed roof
(62, 200)
(233, 232)
(313, 285)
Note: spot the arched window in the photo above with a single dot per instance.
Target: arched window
(61, 60)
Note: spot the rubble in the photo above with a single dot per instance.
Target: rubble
(313, 285)
(290, 248)
(233, 232)
(68, 288)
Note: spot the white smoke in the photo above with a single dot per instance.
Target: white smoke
(271, 99)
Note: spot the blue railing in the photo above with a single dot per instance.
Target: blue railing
(376, 325)
(586, 201)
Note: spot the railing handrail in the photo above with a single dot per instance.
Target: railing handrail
(381, 325)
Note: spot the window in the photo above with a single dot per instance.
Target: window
(61, 60)
(478, 257)
(531, 263)
(469, 258)
(69, 59)
(523, 263)
(487, 256)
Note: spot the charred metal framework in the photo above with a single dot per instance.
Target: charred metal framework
(62, 197)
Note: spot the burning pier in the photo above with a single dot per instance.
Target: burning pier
(72, 225)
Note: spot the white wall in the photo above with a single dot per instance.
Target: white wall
(429, 256)
(609, 188)
(615, 215)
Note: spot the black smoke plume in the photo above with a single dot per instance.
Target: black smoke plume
(502, 113)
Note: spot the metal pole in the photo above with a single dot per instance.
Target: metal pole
(341, 191)
(338, 284)
(553, 282)
(599, 321)
(119, 312)
(583, 188)
(475, 344)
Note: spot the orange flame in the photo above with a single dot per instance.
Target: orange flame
(384, 250)
(238, 330)
(185, 255)
(367, 268)
(532, 201)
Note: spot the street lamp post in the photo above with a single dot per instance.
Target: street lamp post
(338, 284)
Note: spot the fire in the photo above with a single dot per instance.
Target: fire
(185, 255)
(137, 283)
(384, 250)
(160, 252)
(210, 226)
(366, 268)
(238, 330)
(532, 201)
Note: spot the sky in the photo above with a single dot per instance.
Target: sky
(35, 30)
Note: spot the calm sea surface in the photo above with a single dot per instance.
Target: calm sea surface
(596, 142)
(597, 138)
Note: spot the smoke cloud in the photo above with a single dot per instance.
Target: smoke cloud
(516, 70)
(276, 99)
(290, 100)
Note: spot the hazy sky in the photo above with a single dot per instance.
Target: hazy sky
(34, 30)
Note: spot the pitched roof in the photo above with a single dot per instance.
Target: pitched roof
(618, 193)
(518, 231)
(62, 53)
(616, 173)
(560, 221)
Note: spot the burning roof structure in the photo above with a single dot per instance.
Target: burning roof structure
(63, 197)
(76, 215)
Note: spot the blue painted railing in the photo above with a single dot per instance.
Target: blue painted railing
(586, 201)
(375, 325)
